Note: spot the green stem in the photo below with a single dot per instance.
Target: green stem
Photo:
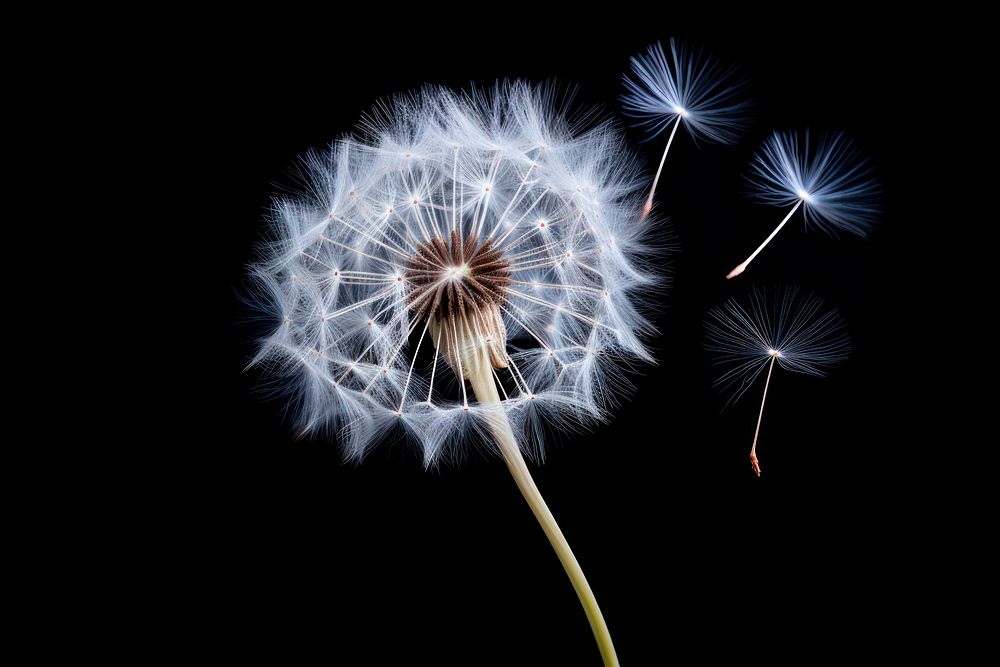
(481, 378)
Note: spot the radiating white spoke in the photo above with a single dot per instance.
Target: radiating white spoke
(563, 309)
(514, 258)
(353, 249)
(514, 200)
(528, 329)
(416, 353)
(391, 248)
(437, 350)
(535, 231)
(378, 296)
(528, 316)
(518, 374)
(392, 357)
(517, 224)
(457, 353)
(500, 384)
(454, 179)
(580, 288)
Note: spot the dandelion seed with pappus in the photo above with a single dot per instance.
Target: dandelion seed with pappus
(688, 88)
(827, 178)
(799, 334)
(465, 271)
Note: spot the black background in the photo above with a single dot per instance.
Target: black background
(685, 548)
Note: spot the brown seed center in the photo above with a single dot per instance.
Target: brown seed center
(456, 277)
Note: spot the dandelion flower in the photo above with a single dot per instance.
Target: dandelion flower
(799, 334)
(466, 270)
(689, 88)
(827, 178)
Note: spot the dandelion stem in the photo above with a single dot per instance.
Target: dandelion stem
(753, 449)
(740, 268)
(480, 376)
(656, 179)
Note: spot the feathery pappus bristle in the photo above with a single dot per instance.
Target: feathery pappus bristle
(690, 87)
(825, 171)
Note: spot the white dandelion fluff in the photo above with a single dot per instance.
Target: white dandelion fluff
(470, 268)
(827, 177)
(799, 333)
(690, 88)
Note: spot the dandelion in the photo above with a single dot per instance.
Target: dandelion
(797, 333)
(464, 272)
(689, 88)
(827, 178)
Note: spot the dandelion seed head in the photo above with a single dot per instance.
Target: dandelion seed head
(450, 229)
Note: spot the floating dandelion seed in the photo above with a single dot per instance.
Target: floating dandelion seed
(798, 333)
(690, 88)
(470, 270)
(828, 178)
